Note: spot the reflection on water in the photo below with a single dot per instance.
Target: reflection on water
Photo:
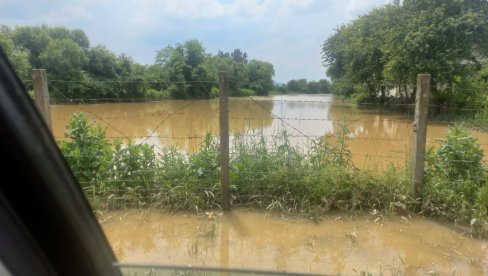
(338, 244)
(376, 137)
(180, 123)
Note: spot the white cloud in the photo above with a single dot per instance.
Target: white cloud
(354, 8)
(287, 33)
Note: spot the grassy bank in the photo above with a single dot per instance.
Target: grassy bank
(274, 174)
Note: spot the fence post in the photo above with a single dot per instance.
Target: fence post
(224, 141)
(420, 132)
(41, 94)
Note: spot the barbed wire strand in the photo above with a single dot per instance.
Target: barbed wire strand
(283, 121)
(164, 120)
(108, 124)
(378, 106)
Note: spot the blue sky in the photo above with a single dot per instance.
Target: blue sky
(287, 33)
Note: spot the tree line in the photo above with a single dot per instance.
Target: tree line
(303, 86)
(77, 70)
(382, 52)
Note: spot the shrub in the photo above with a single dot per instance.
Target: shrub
(246, 92)
(455, 182)
(153, 94)
(87, 150)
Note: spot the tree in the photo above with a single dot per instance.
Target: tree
(356, 53)
(238, 56)
(313, 87)
(78, 71)
(34, 39)
(445, 37)
(184, 64)
(58, 33)
(303, 86)
(17, 56)
(260, 77)
(102, 63)
(237, 75)
(324, 86)
(297, 86)
(64, 61)
(124, 65)
(79, 36)
(392, 44)
(194, 53)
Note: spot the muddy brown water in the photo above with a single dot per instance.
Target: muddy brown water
(246, 239)
(257, 240)
(376, 138)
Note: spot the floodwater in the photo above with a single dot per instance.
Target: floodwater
(376, 138)
(336, 244)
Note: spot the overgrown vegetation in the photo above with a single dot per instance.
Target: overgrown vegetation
(79, 71)
(272, 173)
(455, 185)
(384, 50)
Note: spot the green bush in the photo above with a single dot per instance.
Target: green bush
(458, 157)
(455, 184)
(87, 149)
(153, 94)
(362, 98)
(133, 165)
(243, 92)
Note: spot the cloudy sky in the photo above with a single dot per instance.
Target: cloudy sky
(287, 33)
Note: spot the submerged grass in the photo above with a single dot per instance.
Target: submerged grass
(274, 174)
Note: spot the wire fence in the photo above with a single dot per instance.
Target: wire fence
(288, 130)
(270, 115)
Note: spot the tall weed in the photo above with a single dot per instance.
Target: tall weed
(272, 173)
(455, 184)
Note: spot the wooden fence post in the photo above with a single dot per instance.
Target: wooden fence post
(224, 141)
(420, 132)
(41, 94)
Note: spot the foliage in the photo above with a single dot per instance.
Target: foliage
(87, 150)
(260, 77)
(134, 165)
(390, 45)
(184, 65)
(272, 173)
(235, 68)
(304, 86)
(79, 72)
(19, 57)
(63, 58)
(456, 184)
(269, 173)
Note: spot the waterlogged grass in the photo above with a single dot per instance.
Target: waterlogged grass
(272, 173)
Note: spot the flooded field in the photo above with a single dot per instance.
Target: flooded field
(336, 244)
(255, 240)
(375, 136)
